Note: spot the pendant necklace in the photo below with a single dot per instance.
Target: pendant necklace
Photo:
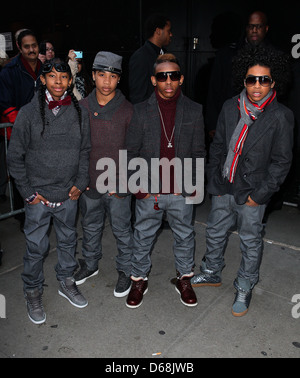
(163, 124)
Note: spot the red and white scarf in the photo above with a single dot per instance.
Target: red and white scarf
(249, 112)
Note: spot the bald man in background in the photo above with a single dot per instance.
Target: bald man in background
(220, 86)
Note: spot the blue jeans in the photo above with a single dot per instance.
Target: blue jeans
(93, 221)
(36, 227)
(148, 221)
(224, 214)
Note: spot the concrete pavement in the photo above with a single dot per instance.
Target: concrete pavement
(106, 328)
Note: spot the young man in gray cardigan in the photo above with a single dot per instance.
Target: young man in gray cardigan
(168, 125)
(48, 157)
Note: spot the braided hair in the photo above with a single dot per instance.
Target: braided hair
(42, 102)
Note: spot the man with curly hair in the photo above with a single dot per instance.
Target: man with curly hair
(249, 159)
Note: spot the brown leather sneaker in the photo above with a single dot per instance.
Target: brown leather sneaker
(135, 296)
(187, 294)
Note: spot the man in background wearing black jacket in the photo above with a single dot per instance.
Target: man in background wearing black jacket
(158, 35)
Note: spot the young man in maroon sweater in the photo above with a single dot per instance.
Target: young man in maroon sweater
(110, 114)
(168, 125)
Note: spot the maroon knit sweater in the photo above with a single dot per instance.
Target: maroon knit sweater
(108, 129)
(168, 111)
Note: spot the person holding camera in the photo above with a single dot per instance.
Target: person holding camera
(82, 83)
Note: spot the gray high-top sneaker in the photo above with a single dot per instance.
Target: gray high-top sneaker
(207, 277)
(35, 307)
(69, 290)
(242, 297)
(123, 285)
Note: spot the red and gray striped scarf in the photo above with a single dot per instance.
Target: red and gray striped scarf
(249, 112)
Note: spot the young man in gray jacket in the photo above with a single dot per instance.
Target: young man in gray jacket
(167, 126)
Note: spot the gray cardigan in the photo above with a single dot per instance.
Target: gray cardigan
(266, 157)
(50, 164)
(144, 133)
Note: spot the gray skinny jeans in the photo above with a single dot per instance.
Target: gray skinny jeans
(37, 223)
(94, 213)
(148, 221)
(224, 214)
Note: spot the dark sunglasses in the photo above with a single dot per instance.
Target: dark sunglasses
(265, 81)
(59, 67)
(253, 26)
(163, 76)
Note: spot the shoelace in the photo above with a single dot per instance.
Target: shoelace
(241, 296)
(139, 285)
(185, 284)
(73, 289)
(35, 303)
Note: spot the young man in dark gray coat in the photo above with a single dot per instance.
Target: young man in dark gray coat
(249, 159)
